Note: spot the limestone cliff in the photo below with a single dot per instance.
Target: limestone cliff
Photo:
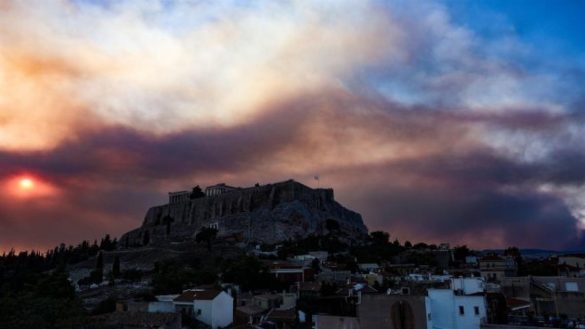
(268, 213)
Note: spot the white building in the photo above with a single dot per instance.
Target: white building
(163, 304)
(428, 277)
(215, 308)
(461, 307)
(468, 286)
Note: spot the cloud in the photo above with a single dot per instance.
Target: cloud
(388, 162)
(163, 69)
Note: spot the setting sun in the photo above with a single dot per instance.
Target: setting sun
(24, 186)
(26, 183)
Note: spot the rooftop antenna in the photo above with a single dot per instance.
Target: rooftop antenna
(316, 177)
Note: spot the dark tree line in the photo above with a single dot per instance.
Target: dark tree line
(60, 256)
(44, 301)
(34, 288)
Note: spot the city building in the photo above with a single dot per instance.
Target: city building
(215, 308)
(291, 273)
(559, 296)
(494, 268)
(572, 265)
(394, 312)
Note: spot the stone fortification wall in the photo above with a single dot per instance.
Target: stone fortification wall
(267, 213)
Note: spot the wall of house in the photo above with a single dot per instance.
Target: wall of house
(428, 310)
(205, 306)
(571, 304)
(336, 322)
(223, 311)
(518, 287)
(572, 260)
(469, 319)
(376, 311)
(468, 285)
(442, 308)
(162, 307)
(445, 310)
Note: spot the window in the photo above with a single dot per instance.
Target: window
(461, 310)
(429, 317)
(476, 310)
(571, 286)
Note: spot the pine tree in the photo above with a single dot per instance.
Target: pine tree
(116, 267)
(98, 274)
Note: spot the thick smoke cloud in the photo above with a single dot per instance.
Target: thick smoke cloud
(427, 129)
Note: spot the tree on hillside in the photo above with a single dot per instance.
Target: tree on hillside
(380, 237)
(206, 234)
(196, 193)
(97, 274)
(116, 267)
(514, 252)
(249, 273)
(421, 245)
(46, 301)
(107, 244)
(460, 252)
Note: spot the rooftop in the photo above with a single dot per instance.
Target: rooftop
(197, 294)
(250, 309)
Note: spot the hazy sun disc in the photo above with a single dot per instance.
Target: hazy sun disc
(27, 186)
(26, 183)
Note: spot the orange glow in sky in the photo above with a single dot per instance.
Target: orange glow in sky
(26, 183)
(27, 186)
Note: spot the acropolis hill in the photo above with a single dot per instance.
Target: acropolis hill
(262, 213)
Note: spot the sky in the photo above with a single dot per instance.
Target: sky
(438, 121)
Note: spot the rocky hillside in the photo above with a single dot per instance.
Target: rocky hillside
(268, 213)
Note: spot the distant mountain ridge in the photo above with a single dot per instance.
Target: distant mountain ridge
(268, 214)
(536, 253)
